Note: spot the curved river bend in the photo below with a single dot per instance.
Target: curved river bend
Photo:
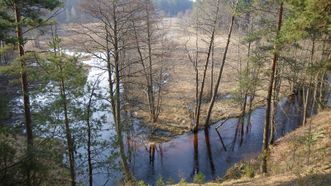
(177, 158)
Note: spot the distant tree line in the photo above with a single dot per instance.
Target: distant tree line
(72, 11)
(173, 7)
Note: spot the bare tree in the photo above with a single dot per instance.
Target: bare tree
(209, 29)
(205, 23)
(215, 90)
(110, 38)
(150, 45)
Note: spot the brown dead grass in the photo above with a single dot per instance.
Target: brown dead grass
(178, 95)
(179, 92)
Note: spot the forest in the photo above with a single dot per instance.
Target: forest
(165, 92)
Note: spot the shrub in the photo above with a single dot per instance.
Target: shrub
(182, 182)
(249, 170)
(141, 183)
(199, 178)
(160, 182)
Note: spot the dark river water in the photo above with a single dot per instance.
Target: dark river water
(177, 158)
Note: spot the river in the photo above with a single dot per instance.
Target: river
(177, 158)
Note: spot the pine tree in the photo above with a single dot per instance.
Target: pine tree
(25, 15)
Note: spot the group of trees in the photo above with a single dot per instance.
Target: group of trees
(296, 27)
(72, 11)
(18, 19)
(127, 39)
(287, 53)
(273, 38)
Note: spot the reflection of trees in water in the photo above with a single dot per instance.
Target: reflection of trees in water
(236, 134)
(209, 152)
(288, 115)
(219, 134)
(240, 132)
(195, 154)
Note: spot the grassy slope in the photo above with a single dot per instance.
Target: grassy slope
(50, 169)
(288, 163)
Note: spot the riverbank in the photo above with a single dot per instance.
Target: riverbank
(178, 95)
(302, 157)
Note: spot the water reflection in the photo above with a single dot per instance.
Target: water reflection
(209, 152)
(218, 147)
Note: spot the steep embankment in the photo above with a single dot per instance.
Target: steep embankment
(303, 157)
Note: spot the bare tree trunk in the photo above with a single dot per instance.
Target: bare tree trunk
(70, 142)
(153, 96)
(266, 133)
(25, 90)
(197, 119)
(212, 70)
(24, 79)
(113, 39)
(211, 103)
(196, 70)
(149, 45)
(251, 89)
(118, 122)
(310, 122)
(277, 84)
(307, 96)
(199, 94)
(89, 136)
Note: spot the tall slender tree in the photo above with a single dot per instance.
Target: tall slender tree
(219, 77)
(32, 14)
(110, 37)
(149, 41)
(266, 133)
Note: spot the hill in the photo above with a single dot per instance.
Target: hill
(302, 157)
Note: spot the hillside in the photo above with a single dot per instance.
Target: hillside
(289, 162)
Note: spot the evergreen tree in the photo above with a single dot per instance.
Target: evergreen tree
(25, 15)
(65, 77)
